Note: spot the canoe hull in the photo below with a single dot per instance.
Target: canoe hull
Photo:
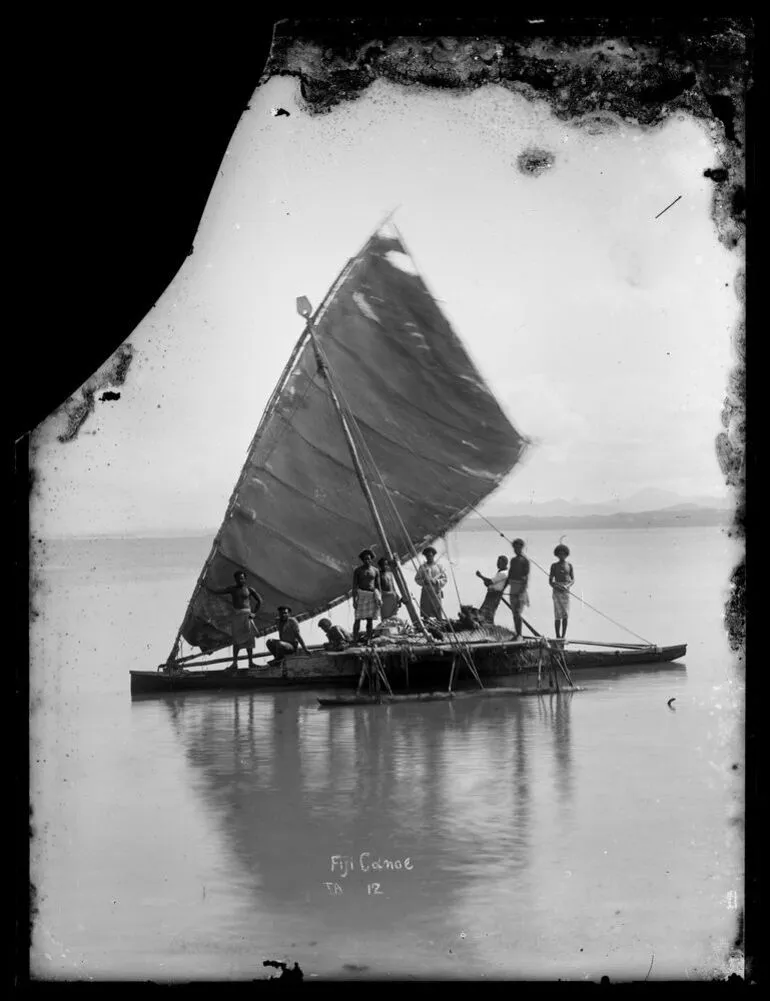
(323, 669)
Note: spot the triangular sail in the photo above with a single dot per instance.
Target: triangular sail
(430, 425)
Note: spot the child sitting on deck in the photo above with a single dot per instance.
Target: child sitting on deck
(337, 637)
(470, 619)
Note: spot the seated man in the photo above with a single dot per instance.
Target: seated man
(289, 637)
(338, 638)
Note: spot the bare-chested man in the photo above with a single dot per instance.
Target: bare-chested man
(289, 637)
(243, 630)
(518, 579)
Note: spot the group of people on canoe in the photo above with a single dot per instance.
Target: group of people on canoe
(246, 604)
(514, 577)
(375, 596)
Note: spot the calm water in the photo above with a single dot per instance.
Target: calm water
(563, 836)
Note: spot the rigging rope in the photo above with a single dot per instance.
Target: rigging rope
(598, 612)
(463, 647)
(452, 568)
(355, 431)
(367, 457)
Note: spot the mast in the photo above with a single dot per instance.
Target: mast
(304, 309)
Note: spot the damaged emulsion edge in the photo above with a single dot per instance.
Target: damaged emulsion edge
(596, 75)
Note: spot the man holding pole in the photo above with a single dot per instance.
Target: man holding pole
(495, 587)
(518, 580)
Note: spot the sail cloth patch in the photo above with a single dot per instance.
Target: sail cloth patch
(401, 261)
(246, 513)
(478, 383)
(360, 300)
(413, 330)
(483, 474)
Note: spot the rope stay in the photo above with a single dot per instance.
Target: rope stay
(398, 520)
(364, 456)
(452, 569)
(464, 648)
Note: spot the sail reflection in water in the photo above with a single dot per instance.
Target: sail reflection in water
(446, 786)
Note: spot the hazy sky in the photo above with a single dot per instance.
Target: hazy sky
(604, 332)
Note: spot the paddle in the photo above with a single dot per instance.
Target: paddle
(561, 666)
(533, 631)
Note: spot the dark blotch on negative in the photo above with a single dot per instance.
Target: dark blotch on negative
(535, 161)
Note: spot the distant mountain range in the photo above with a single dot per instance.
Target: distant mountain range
(682, 516)
(651, 507)
(641, 502)
(646, 508)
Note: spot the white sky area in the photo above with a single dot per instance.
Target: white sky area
(604, 332)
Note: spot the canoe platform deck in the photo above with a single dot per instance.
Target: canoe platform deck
(407, 665)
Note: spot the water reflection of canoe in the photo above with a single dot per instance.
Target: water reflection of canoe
(323, 668)
(292, 786)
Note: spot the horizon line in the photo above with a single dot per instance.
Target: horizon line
(210, 532)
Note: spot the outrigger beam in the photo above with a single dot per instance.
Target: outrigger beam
(614, 646)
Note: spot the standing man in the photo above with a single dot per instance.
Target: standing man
(336, 636)
(289, 637)
(390, 597)
(431, 577)
(243, 629)
(367, 596)
(518, 579)
(561, 578)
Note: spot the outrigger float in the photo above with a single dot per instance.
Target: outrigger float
(380, 434)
